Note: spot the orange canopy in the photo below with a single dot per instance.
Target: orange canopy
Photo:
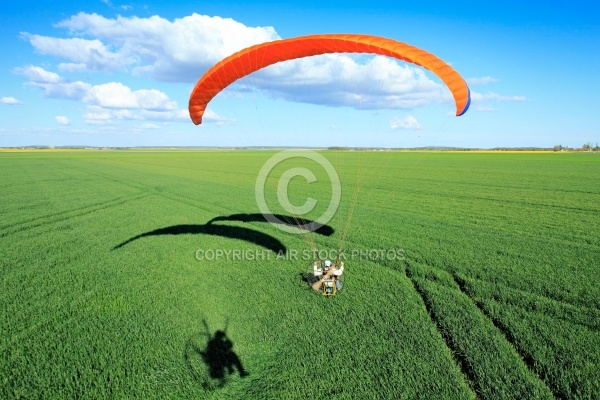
(262, 55)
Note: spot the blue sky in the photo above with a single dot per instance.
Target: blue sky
(119, 73)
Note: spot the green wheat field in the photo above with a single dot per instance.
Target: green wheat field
(117, 273)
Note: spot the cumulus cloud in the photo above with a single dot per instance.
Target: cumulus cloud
(211, 116)
(11, 101)
(481, 101)
(108, 101)
(97, 115)
(479, 97)
(85, 54)
(38, 74)
(486, 109)
(52, 85)
(149, 126)
(343, 80)
(108, 95)
(62, 120)
(182, 49)
(484, 80)
(178, 50)
(117, 95)
(408, 122)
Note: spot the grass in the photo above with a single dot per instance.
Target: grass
(495, 295)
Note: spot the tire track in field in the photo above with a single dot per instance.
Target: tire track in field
(457, 355)
(130, 182)
(152, 190)
(66, 215)
(590, 315)
(53, 218)
(194, 203)
(466, 330)
(56, 217)
(109, 177)
(145, 190)
(527, 358)
(516, 201)
(51, 215)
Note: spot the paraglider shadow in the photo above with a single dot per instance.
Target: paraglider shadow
(236, 232)
(210, 358)
(227, 231)
(324, 230)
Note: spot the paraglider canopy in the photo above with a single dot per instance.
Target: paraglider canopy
(262, 55)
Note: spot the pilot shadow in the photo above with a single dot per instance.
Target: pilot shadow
(211, 360)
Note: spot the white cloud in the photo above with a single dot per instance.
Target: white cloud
(408, 122)
(96, 115)
(346, 80)
(486, 109)
(484, 80)
(117, 95)
(72, 67)
(109, 101)
(62, 120)
(63, 90)
(496, 97)
(92, 54)
(173, 115)
(38, 74)
(149, 126)
(10, 101)
(107, 95)
(210, 116)
(181, 50)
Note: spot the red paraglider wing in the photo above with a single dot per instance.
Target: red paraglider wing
(262, 55)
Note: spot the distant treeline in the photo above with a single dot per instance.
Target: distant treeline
(585, 147)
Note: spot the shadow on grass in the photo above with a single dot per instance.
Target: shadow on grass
(296, 222)
(232, 232)
(235, 232)
(210, 358)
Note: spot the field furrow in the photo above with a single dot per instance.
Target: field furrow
(487, 357)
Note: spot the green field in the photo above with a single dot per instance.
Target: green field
(496, 294)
